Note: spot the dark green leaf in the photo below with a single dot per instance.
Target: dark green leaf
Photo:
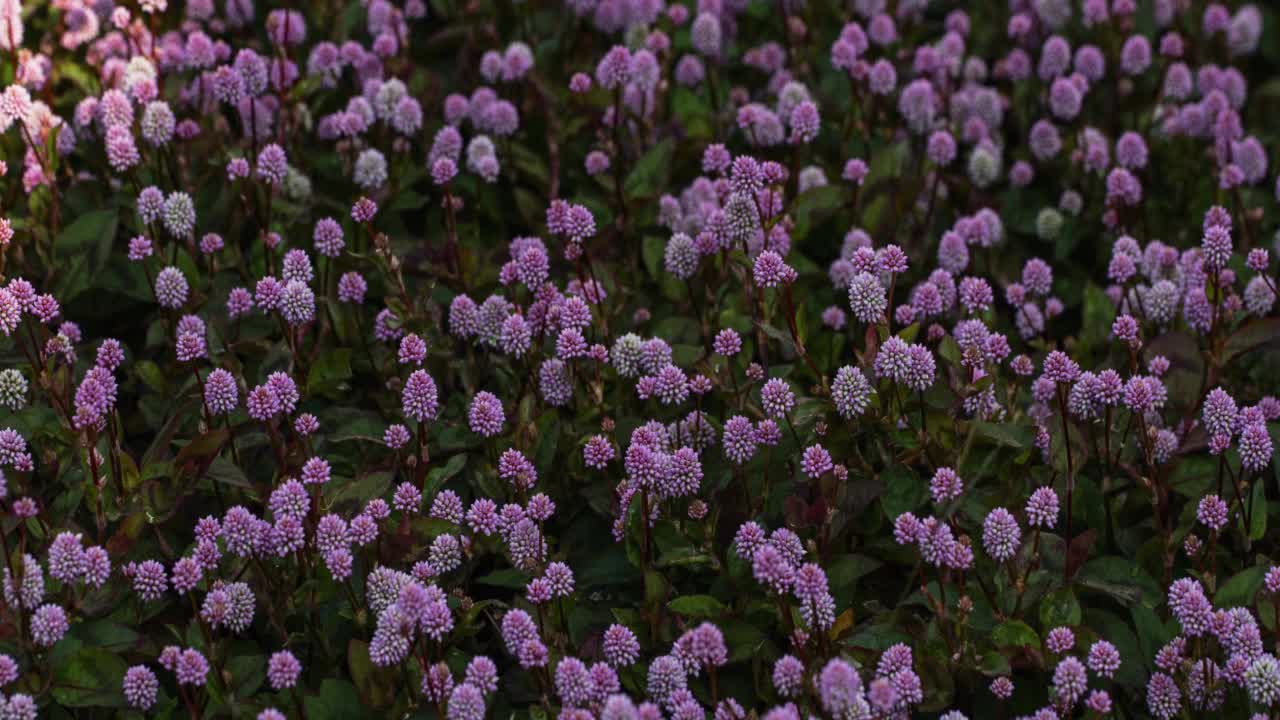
(1120, 578)
(649, 176)
(1059, 607)
(337, 700)
(699, 606)
(1015, 633)
(376, 688)
(1241, 588)
(89, 678)
(330, 373)
(224, 471)
(1258, 508)
(904, 491)
(1253, 335)
(507, 578)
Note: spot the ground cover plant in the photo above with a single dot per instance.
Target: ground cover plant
(639, 359)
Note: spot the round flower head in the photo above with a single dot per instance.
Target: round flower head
(66, 557)
(727, 343)
(1042, 508)
(13, 389)
(867, 298)
(191, 668)
(1255, 446)
(941, 148)
(328, 237)
(1262, 680)
(1104, 659)
(157, 124)
(1135, 55)
(1064, 99)
(443, 170)
(466, 702)
(1212, 512)
(283, 670)
(816, 461)
(840, 690)
(179, 215)
(364, 210)
(776, 398)
(352, 288)
(171, 288)
(917, 104)
(681, 256)
(1000, 534)
(48, 624)
(419, 398)
(413, 350)
(486, 414)
(141, 687)
(946, 485)
(1069, 680)
(396, 436)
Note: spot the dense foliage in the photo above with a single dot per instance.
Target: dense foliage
(638, 360)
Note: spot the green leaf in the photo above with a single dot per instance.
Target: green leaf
(375, 688)
(656, 588)
(653, 249)
(531, 206)
(531, 164)
(224, 471)
(1120, 578)
(606, 566)
(1117, 631)
(700, 606)
(904, 491)
(878, 636)
(90, 678)
(845, 570)
(1089, 503)
(200, 452)
(938, 677)
(79, 75)
(337, 699)
(363, 488)
(745, 641)
(1098, 314)
(1009, 434)
(150, 374)
(505, 578)
(91, 234)
(1241, 588)
(888, 163)
(248, 671)
(1015, 633)
(352, 424)
(684, 556)
(815, 204)
(408, 200)
(438, 476)
(649, 176)
(692, 111)
(994, 664)
(106, 634)
(1152, 634)
(1258, 506)
(783, 337)
(1060, 607)
(1251, 336)
(330, 374)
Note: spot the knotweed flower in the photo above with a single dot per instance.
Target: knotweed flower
(1000, 534)
(141, 687)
